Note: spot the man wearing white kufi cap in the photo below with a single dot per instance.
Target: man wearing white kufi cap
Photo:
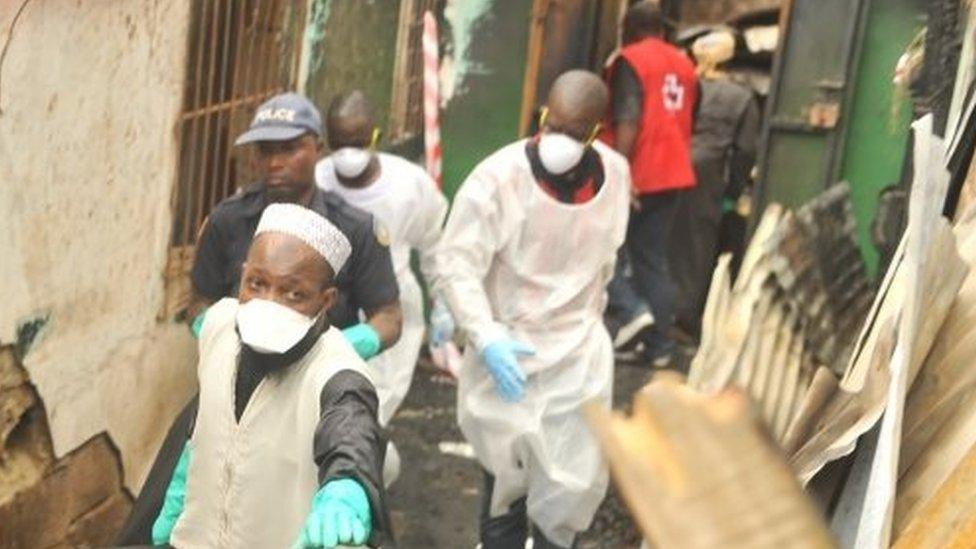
(286, 449)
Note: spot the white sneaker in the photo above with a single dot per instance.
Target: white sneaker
(629, 334)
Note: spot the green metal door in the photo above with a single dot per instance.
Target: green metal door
(803, 136)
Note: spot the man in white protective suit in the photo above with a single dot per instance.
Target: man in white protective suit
(523, 265)
(411, 208)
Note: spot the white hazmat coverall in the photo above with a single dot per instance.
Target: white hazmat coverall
(515, 262)
(412, 209)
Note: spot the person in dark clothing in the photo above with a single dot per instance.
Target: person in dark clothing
(286, 132)
(317, 483)
(654, 94)
(287, 151)
(723, 149)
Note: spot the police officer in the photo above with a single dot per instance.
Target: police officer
(287, 135)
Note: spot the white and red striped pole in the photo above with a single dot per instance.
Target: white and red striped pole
(432, 130)
(445, 356)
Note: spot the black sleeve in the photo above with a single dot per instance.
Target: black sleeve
(349, 443)
(628, 95)
(209, 274)
(137, 529)
(372, 283)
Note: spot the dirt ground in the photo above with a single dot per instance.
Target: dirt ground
(435, 502)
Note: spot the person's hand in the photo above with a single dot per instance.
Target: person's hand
(501, 359)
(340, 515)
(173, 500)
(441, 324)
(197, 325)
(363, 339)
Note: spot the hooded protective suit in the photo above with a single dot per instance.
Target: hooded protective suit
(514, 262)
(411, 208)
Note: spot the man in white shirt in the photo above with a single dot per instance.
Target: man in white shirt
(402, 197)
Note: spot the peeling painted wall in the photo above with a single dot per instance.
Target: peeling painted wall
(351, 44)
(483, 72)
(90, 95)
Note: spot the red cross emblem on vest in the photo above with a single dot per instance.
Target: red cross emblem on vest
(673, 92)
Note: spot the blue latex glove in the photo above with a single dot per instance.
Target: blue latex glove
(501, 359)
(364, 339)
(340, 515)
(441, 324)
(173, 501)
(197, 325)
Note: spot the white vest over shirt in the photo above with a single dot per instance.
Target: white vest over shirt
(250, 484)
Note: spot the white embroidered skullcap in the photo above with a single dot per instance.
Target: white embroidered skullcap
(309, 227)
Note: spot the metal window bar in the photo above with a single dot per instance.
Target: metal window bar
(240, 53)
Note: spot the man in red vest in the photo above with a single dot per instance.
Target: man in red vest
(654, 95)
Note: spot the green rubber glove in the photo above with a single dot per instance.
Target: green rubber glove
(728, 205)
(173, 501)
(197, 325)
(364, 339)
(340, 515)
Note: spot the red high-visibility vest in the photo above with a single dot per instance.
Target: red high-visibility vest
(661, 158)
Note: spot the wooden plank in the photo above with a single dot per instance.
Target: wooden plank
(697, 471)
(948, 448)
(791, 348)
(533, 59)
(821, 390)
(948, 371)
(948, 520)
(789, 387)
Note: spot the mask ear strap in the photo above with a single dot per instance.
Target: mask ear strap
(597, 128)
(543, 117)
(375, 139)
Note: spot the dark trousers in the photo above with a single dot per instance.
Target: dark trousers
(642, 279)
(508, 531)
(693, 250)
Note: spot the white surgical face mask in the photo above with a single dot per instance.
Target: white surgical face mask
(350, 162)
(271, 328)
(559, 152)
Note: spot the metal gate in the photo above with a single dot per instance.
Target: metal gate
(802, 140)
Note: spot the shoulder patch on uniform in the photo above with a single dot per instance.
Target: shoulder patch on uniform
(381, 232)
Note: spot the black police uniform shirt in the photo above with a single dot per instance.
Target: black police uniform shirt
(365, 283)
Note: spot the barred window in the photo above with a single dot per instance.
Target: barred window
(240, 53)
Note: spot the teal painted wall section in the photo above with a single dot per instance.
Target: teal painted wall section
(878, 127)
(485, 44)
